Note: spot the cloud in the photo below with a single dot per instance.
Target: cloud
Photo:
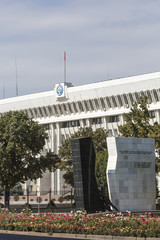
(103, 39)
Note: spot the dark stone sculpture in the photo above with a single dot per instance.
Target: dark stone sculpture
(87, 196)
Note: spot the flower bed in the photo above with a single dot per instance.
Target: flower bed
(81, 223)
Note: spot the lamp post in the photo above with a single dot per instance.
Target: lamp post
(49, 198)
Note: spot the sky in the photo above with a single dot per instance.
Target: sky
(103, 40)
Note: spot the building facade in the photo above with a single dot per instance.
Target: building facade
(66, 108)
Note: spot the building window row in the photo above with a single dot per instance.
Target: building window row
(96, 121)
(71, 124)
(114, 118)
(76, 123)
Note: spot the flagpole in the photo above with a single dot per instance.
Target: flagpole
(64, 67)
(3, 89)
(16, 77)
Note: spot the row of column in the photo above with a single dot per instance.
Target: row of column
(56, 134)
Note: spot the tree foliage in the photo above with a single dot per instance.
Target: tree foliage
(21, 144)
(139, 124)
(65, 151)
(100, 168)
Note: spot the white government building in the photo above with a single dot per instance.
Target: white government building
(66, 108)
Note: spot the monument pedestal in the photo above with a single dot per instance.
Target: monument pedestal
(87, 196)
(131, 173)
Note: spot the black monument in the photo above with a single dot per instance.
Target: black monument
(87, 196)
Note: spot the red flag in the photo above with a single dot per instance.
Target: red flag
(64, 56)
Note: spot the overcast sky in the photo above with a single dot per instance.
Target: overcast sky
(103, 39)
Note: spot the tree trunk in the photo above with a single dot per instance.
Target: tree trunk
(6, 197)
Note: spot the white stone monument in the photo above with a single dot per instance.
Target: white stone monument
(131, 173)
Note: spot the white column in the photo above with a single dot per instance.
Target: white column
(38, 184)
(52, 150)
(121, 118)
(58, 181)
(58, 144)
(88, 122)
(52, 183)
(157, 115)
(25, 188)
(105, 123)
(52, 137)
(81, 123)
(109, 126)
(121, 121)
(58, 137)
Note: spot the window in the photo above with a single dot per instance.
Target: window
(152, 114)
(114, 119)
(46, 127)
(96, 121)
(71, 124)
(74, 124)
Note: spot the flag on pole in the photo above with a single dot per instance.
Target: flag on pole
(64, 56)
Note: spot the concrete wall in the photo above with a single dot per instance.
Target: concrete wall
(131, 173)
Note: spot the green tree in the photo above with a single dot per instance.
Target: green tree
(65, 151)
(137, 120)
(100, 168)
(139, 124)
(21, 144)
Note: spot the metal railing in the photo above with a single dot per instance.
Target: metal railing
(43, 199)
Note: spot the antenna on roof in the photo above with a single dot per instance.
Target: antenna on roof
(64, 67)
(3, 89)
(16, 77)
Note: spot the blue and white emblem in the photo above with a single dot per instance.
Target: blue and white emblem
(59, 90)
